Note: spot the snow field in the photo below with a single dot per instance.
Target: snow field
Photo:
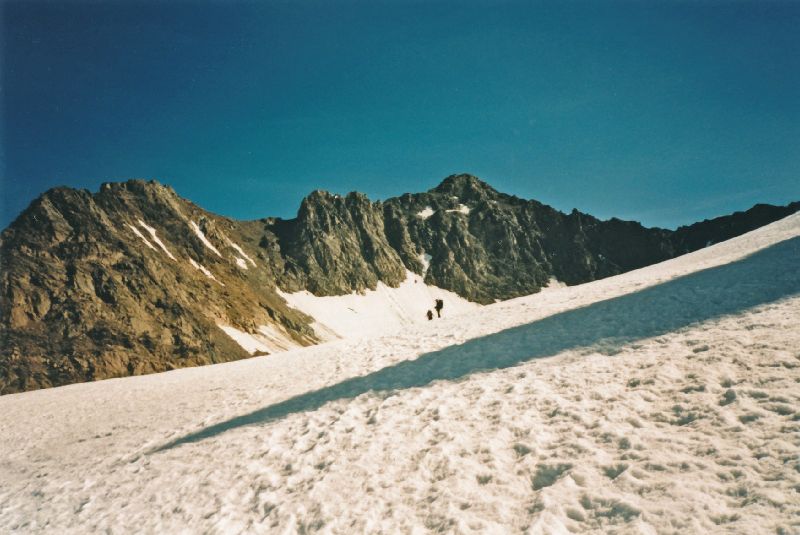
(378, 311)
(660, 401)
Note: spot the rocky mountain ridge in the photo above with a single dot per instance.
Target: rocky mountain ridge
(134, 279)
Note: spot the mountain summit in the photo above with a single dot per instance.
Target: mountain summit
(134, 279)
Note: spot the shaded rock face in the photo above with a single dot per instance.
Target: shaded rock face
(483, 245)
(335, 245)
(133, 279)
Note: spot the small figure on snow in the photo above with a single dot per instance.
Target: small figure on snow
(430, 315)
(439, 306)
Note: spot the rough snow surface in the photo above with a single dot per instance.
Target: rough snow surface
(155, 238)
(378, 311)
(139, 233)
(425, 213)
(204, 271)
(199, 234)
(663, 400)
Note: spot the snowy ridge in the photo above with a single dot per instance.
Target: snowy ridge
(659, 401)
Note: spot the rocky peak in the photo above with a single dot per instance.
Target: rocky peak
(117, 283)
(465, 187)
(336, 245)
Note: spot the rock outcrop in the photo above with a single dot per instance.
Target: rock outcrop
(466, 237)
(105, 285)
(134, 279)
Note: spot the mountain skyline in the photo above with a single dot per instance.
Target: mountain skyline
(134, 279)
(664, 113)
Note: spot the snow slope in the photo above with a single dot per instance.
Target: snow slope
(664, 400)
(378, 311)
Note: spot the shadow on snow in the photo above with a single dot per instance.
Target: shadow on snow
(606, 326)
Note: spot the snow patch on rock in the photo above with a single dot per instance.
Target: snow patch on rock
(139, 233)
(247, 341)
(425, 258)
(199, 234)
(204, 271)
(462, 209)
(268, 339)
(241, 253)
(425, 213)
(155, 238)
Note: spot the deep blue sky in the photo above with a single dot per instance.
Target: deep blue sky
(662, 112)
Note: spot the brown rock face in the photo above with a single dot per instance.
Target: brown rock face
(89, 293)
(133, 279)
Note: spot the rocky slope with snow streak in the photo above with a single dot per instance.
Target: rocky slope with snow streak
(127, 281)
(659, 401)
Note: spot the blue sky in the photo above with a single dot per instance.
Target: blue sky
(663, 112)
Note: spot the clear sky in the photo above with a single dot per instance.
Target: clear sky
(663, 112)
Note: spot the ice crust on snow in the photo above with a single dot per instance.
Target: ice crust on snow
(663, 400)
(199, 234)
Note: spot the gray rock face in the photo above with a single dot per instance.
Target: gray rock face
(335, 245)
(87, 291)
(484, 245)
